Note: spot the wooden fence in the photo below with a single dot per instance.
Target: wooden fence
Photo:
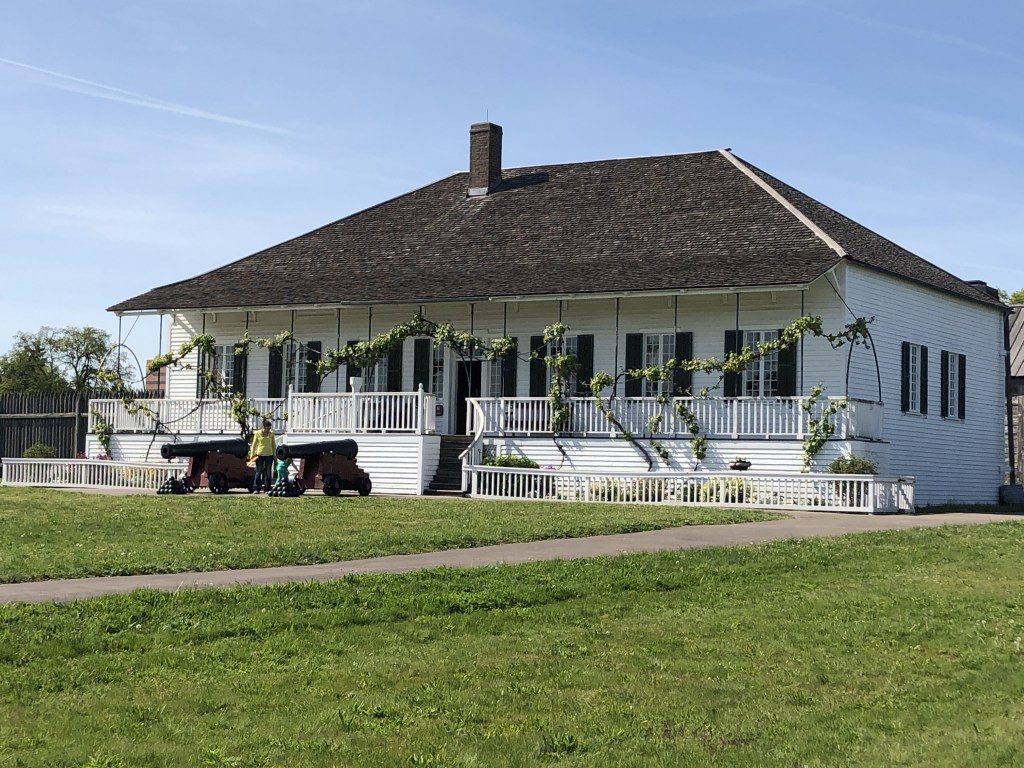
(60, 420)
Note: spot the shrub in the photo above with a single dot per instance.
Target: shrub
(40, 451)
(518, 462)
(732, 491)
(852, 465)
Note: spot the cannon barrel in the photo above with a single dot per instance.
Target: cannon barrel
(347, 448)
(235, 447)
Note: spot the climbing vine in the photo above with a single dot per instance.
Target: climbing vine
(562, 366)
(733, 363)
(821, 427)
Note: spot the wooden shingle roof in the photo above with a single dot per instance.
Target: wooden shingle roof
(696, 221)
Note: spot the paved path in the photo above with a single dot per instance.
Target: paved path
(802, 525)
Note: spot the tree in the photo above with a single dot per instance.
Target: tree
(1017, 297)
(27, 368)
(60, 360)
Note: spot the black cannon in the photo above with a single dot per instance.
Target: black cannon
(219, 465)
(329, 465)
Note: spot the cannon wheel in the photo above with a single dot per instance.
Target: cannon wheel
(364, 486)
(332, 485)
(218, 483)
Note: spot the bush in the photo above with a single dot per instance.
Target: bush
(853, 465)
(733, 491)
(518, 462)
(40, 451)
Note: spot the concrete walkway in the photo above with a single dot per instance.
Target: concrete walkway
(801, 525)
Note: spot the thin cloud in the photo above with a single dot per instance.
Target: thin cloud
(110, 93)
(921, 33)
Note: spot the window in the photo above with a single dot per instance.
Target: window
(580, 346)
(376, 379)
(656, 349)
(222, 365)
(298, 369)
(659, 348)
(295, 370)
(761, 379)
(386, 375)
(914, 378)
(569, 346)
(437, 372)
(954, 390)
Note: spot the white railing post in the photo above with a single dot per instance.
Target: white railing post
(421, 415)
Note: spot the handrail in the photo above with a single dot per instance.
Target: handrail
(733, 417)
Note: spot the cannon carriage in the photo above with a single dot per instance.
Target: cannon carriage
(329, 465)
(219, 465)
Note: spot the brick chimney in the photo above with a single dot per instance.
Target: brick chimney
(484, 158)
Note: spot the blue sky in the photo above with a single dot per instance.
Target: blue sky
(148, 141)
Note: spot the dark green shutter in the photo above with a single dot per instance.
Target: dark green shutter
(538, 368)
(276, 374)
(313, 350)
(585, 358)
(682, 381)
(961, 405)
(634, 360)
(944, 392)
(924, 379)
(905, 376)
(241, 372)
(787, 370)
(508, 371)
(351, 370)
(422, 359)
(395, 369)
(733, 381)
(201, 382)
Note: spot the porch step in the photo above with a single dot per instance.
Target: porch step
(448, 477)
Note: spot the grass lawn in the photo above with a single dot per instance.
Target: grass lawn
(46, 534)
(888, 649)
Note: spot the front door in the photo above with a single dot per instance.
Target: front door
(467, 385)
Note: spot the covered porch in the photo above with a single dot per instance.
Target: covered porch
(415, 413)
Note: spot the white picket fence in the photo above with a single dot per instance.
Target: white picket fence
(87, 473)
(835, 493)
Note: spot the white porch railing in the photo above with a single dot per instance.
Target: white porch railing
(362, 412)
(834, 493)
(87, 473)
(306, 412)
(734, 417)
(182, 416)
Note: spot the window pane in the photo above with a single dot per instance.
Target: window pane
(915, 379)
(437, 372)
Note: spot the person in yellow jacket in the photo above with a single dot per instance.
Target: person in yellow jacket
(262, 450)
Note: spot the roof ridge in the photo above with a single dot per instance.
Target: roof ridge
(775, 194)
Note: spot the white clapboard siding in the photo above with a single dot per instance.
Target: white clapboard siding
(952, 460)
(400, 464)
(601, 454)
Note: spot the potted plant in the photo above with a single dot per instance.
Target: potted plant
(739, 464)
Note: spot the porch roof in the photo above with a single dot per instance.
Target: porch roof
(706, 220)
